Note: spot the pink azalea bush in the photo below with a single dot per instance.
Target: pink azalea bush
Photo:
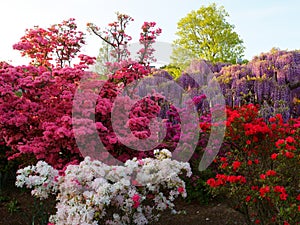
(37, 100)
(117, 39)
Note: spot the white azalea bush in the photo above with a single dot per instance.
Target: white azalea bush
(95, 193)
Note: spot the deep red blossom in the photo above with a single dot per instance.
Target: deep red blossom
(236, 179)
(272, 120)
(271, 173)
(257, 221)
(289, 155)
(283, 196)
(279, 143)
(266, 163)
(290, 139)
(274, 156)
(236, 165)
(262, 176)
(254, 188)
(248, 198)
(224, 165)
(264, 190)
(211, 182)
(223, 159)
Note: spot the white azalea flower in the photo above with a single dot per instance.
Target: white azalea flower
(87, 190)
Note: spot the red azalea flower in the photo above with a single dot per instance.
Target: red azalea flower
(279, 143)
(254, 188)
(290, 139)
(135, 197)
(271, 173)
(289, 155)
(272, 120)
(223, 159)
(236, 165)
(211, 182)
(224, 165)
(248, 198)
(264, 190)
(279, 189)
(283, 196)
(274, 156)
(262, 176)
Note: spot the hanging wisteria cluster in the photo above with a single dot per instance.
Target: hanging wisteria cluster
(271, 79)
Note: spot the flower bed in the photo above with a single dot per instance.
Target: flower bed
(137, 192)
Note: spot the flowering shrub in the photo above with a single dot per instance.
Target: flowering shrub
(260, 170)
(60, 42)
(93, 192)
(37, 100)
(35, 108)
(270, 79)
(115, 54)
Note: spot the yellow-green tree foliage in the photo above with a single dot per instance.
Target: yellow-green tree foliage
(206, 34)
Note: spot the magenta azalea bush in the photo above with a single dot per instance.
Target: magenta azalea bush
(37, 100)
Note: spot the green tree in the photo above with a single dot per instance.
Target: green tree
(206, 34)
(103, 57)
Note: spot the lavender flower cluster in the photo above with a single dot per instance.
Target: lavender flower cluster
(271, 80)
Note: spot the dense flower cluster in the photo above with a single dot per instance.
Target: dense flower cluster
(260, 169)
(60, 42)
(36, 107)
(147, 39)
(42, 178)
(271, 80)
(37, 101)
(93, 192)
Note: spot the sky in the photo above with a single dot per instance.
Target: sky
(261, 24)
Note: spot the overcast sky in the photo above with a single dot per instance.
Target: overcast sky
(261, 24)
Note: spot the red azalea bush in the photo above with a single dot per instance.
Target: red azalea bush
(260, 170)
